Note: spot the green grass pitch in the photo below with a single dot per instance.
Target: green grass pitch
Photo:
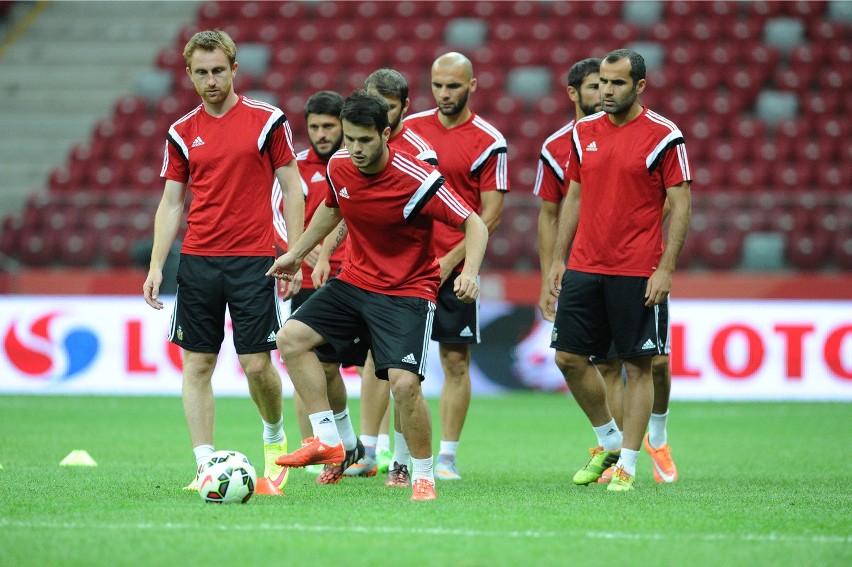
(761, 484)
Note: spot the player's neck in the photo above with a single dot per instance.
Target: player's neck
(221, 109)
(456, 119)
(627, 116)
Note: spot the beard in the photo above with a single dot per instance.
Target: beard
(334, 147)
(457, 107)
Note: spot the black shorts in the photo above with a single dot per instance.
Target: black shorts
(208, 284)
(398, 327)
(595, 311)
(455, 321)
(664, 313)
(354, 355)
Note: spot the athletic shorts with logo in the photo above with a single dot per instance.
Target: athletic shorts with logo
(355, 354)
(595, 311)
(206, 285)
(455, 321)
(398, 327)
(664, 314)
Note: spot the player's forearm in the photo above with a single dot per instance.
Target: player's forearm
(681, 210)
(166, 223)
(332, 242)
(547, 220)
(322, 223)
(475, 243)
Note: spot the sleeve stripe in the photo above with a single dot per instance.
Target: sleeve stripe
(460, 208)
(428, 187)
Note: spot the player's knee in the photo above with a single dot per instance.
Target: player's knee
(572, 365)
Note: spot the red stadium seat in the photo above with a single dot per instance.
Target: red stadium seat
(721, 250)
(843, 250)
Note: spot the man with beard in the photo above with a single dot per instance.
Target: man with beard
(473, 157)
(628, 160)
(387, 285)
(325, 133)
(550, 186)
(232, 148)
(375, 394)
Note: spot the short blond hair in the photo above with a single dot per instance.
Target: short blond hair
(210, 40)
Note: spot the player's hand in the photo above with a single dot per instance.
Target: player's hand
(289, 288)
(151, 289)
(658, 287)
(554, 280)
(466, 288)
(547, 305)
(320, 274)
(286, 267)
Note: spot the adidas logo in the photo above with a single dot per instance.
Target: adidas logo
(325, 420)
(344, 193)
(197, 142)
(649, 344)
(270, 338)
(466, 332)
(593, 147)
(409, 358)
(317, 177)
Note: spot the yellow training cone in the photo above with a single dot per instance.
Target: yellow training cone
(78, 458)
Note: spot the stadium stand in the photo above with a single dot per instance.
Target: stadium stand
(758, 88)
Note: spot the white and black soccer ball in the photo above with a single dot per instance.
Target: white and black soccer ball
(222, 456)
(227, 481)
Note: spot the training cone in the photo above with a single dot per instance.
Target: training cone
(265, 487)
(78, 458)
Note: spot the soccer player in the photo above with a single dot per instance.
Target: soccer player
(629, 160)
(325, 134)
(229, 242)
(473, 158)
(375, 407)
(387, 285)
(550, 186)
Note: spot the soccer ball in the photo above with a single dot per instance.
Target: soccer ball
(227, 480)
(222, 456)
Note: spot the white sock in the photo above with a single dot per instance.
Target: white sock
(202, 452)
(628, 460)
(383, 443)
(401, 454)
(324, 427)
(369, 442)
(657, 430)
(609, 437)
(345, 429)
(422, 468)
(448, 448)
(273, 432)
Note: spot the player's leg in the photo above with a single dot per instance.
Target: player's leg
(375, 396)
(383, 448)
(581, 329)
(416, 425)
(656, 441)
(331, 310)
(198, 327)
(453, 406)
(611, 370)
(639, 334)
(456, 327)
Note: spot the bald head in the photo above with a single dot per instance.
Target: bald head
(454, 62)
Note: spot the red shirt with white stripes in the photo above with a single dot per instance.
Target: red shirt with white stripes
(473, 159)
(410, 142)
(550, 177)
(231, 162)
(624, 172)
(312, 170)
(391, 217)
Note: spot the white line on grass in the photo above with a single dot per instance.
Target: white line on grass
(387, 530)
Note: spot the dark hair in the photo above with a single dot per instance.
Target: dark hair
(582, 69)
(637, 62)
(388, 82)
(324, 102)
(366, 110)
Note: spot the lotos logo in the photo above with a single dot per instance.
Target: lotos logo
(40, 355)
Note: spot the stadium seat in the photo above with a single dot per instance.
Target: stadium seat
(784, 33)
(774, 106)
(721, 250)
(465, 33)
(253, 58)
(529, 83)
(808, 250)
(642, 13)
(763, 251)
(843, 250)
(153, 84)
